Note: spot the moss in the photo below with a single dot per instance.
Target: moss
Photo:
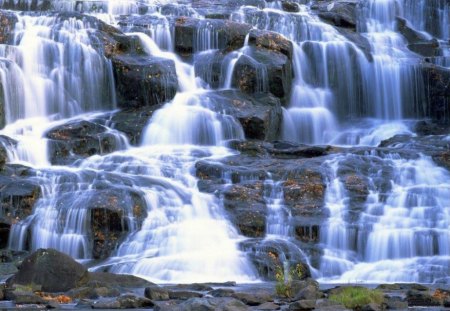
(355, 297)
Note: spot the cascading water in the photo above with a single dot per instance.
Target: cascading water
(173, 231)
(402, 236)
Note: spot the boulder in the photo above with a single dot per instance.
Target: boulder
(156, 293)
(8, 22)
(342, 13)
(421, 298)
(49, 271)
(144, 80)
(81, 139)
(261, 70)
(260, 115)
(183, 294)
(208, 304)
(288, 6)
(106, 279)
(127, 301)
(254, 298)
(437, 87)
(272, 41)
(302, 305)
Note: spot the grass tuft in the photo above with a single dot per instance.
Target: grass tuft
(355, 297)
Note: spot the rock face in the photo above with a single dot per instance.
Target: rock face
(437, 81)
(189, 33)
(81, 139)
(339, 13)
(50, 270)
(8, 21)
(144, 80)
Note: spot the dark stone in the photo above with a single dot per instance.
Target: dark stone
(8, 22)
(132, 122)
(302, 305)
(184, 295)
(208, 304)
(230, 35)
(81, 139)
(120, 280)
(421, 298)
(201, 287)
(144, 80)
(20, 297)
(271, 41)
(253, 298)
(340, 14)
(262, 70)
(395, 303)
(260, 114)
(290, 6)
(222, 292)
(437, 87)
(156, 293)
(130, 301)
(50, 270)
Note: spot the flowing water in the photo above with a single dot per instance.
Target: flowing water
(340, 94)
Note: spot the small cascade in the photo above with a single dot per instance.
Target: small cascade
(431, 16)
(392, 84)
(402, 236)
(336, 236)
(278, 225)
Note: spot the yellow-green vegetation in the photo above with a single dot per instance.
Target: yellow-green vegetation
(354, 297)
(284, 278)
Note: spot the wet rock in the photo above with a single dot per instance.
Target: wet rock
(209, 304)
(302, 305)
(254, 298)
(144, 80)
(260, 115)
(18, 196)
(121, 280)
(81, 139)
(92, 292)
(23, 296)
(132, 122)
(437, 84)
(396, 303)
(222, 292)
(7, 268)
(338, 13)
(290, 6)
(271, 41)
(128, 301)
(156, 293)
(230, 35)
(8, 21)
(267, 306)
(201, 287)
(50, 270)
(421, 298)
(184, 295)
(261, 70)
(246, 207)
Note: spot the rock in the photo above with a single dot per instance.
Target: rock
(222, 292)
(425, 128)
(8, 22)
(290, 6)
(254, 298)
(81, 139)
(245, 204)
(301, 305)
(120, 280)
(24, 297)
(50, 270)
(7, 268)
(201, 287)
(210, 304)
(396, 303)
(260, 114)
(156, 293)
(184, 295)
(310, 292)
(93, 292)
(230, 35)
(144, 80)
(128, 301)
(267, 306)
(421, 298)
(338, 13)
(261, 70)
(132, 122)
(437, 84)
(272, 41)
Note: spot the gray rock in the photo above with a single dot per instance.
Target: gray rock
(156, 293)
